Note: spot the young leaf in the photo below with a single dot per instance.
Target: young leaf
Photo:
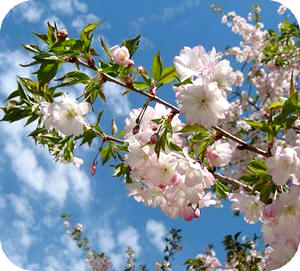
(132, 44)
(105, 47)
(73, 78)
(106, 154)
(32, 48)
(168, 75)
(47, 72)
(292, 88)
(157, 66)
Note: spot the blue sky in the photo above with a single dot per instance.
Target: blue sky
(35, 191)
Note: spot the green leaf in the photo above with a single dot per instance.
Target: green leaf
(292, 87)
(275, 106)
(73, 78)
(157, 66)
(42, 37)
(104, 46)
(47, 72)
(106, 154)
(51, 33)
(168, 75)
(192, 128)
(99, 116)
(140, 85)
(32, 48)
(255, 124)
(221, 189)
(132, 44)
(89, 28)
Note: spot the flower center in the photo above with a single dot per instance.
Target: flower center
(71, 113)
(202, 100)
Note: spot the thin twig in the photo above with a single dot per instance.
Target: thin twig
(242, 143)
(233, 182)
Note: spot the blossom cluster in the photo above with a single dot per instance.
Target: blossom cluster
(174, 181)
(98, 263)
(204, 100)
(281, 227)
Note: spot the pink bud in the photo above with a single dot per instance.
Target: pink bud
(69, 233)
(130, 63)
(63, 33)
(66, 224)
(154, 138)
(140, 69)
(93, 168)
(197, 213)
(136, 129)
(188, 213)
(154, 127)
(162, 186)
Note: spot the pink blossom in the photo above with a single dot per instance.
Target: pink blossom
(120, 55)
(219, 154)
(249, 205)
(282, 164)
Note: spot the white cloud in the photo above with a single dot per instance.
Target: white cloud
(166, 14)
(156, 231)
(55, 180)
(146, 43)
(2, 203)
(59, 23)
(118, 104)
(82, 20)
(80, 6)
(30, 11)
(68, 6)
(22, 230)
(129, 237)
(22, 207)
(10, 67)
(69, 255)
(106, 240)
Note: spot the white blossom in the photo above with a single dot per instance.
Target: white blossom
(66, 116)
(203, 103)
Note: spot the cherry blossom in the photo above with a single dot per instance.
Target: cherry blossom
(120, 55)
(219, 154)
(202, 102)
(249, 205)
(66, 116)
(282, 164)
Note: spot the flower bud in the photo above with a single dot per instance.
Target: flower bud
(63, 33)
(136, 129)
(79, 227)
(130, 63)
(93, 167)
(154, 138)
(140, 69)
(69, 233)
(66, 224)
(197, 213)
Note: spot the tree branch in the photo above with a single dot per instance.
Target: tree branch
(243, 145)
(233, 182)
